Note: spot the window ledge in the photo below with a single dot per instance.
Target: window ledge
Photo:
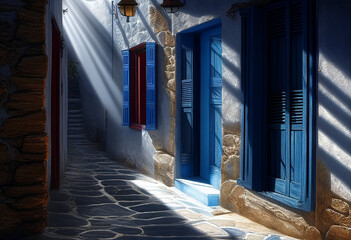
(137, 127)
(292, 202)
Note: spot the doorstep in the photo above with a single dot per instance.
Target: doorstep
(199, 189)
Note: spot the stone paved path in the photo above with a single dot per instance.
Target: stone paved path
(100, 199)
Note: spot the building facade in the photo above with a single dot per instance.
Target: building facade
(249, 99)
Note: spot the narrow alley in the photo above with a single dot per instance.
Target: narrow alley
(100, 199)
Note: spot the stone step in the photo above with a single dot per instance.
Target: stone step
(199, 189)
(75, 125)
(75, 111)
(75, 120)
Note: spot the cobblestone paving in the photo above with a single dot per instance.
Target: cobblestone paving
(100, 199)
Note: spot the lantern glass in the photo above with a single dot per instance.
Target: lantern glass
(127, 8)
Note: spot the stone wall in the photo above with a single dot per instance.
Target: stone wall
(165, 162)
(23, 141)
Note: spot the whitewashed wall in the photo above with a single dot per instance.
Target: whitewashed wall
(334, 93)
(89, 28)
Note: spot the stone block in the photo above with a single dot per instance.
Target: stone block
(172, 109)
(312, 233)
(6, 32)
(227, 167)
(26, 15)
(340, 206)
(157, 20)
(29, 84)
(36, 5)
(4, 155)
(170, 67)
(9, 219)
(172, 95)
(32, 33)
(6, 53)
(225, 191)
(31, 215)
(267, 213)
(167, 51)
(18, 191)
(29, 124)
(164, 168)
(32, 66)
(22, 103)
(170, 75)
(339, 233)
(30, 174)
(338, 218)
(32, 228)
(172, 85)
(3, 88)
(30, 202)
(29, 157)
(231, 140)
(170, 42)
(234, 150)
(5, 175)
(35, 144)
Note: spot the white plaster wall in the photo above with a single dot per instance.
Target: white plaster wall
(89, 29)
(54, 10)
(196, 12)
(334, 93)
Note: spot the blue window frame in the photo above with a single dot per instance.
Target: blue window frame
(278, 72)
(150, 90)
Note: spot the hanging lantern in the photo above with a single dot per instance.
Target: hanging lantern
(127, 8)
(171, 6)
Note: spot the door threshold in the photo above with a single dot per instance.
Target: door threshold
(199, 189)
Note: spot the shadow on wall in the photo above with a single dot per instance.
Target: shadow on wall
(92, 44)
(334, 122)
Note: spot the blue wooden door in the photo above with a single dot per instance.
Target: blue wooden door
(211, 106)
(286, 71)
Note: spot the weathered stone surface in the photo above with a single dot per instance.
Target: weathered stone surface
(172, 85)
(167, 51)
(5, 175)
(275, 217)
(164, 168)
(227, 167)
(231, 140)
(33, 214)
(29, 157)
(6, 32)
(312, 233)
(26, 15)
(340, 206)
(36, 144)
(231, 150)
(18, 191)
(21, 103)
(3, 89)
(6, 53)
(29, 84)
(157, 20)
(226, 189)
(339, 233)
(19, 126)
(4, 155)
(32, 228)
(172, 109)
(338, 218)
(9, 219)
(30, 202)
(172, 95)
(34, 66)
(32, 33)
(36, 5)
(30, 174)
(170, 74)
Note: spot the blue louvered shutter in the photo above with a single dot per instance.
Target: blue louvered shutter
(150, 86)
(286, 75)
(125, 55)
(187, 115)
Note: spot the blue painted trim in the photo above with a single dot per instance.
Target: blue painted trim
(250, 160)
(125, 114)
(203, 27)
(151, 96)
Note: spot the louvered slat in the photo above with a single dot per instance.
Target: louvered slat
(297, 107)
(296, 16)
(276, 22)
(276, 107)
(186, 93)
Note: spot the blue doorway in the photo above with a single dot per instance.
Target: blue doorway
(200, 145)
